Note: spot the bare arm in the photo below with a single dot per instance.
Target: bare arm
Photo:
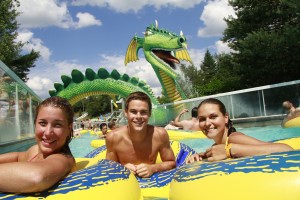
(111, 154)
(243, 145)
(34, 176)
(9, 157)
(177, 121)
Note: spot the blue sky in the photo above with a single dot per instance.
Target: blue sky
(95, 33)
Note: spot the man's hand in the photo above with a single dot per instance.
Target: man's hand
(131, 167)
(144, 170)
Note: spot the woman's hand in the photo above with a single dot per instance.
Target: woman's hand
(216, 152)
(195, 158)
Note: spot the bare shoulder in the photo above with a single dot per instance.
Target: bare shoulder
(161, 133)
(32, 151)
(60, 159)
(116, 135)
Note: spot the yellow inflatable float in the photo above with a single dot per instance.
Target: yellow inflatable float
(91, 180)
(182, 134)
(295, 122)
(156, 186)
(275, 176)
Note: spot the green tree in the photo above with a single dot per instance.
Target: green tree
(10, 50)
(208, 67)
(265, 36)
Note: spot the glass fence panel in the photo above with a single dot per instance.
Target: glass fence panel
(17, 107)
(265, 101)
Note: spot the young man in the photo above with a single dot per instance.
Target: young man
(191, 124)
(137, 145)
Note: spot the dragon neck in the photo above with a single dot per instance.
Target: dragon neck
(167, 80)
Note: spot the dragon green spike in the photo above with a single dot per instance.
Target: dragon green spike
(79, 86)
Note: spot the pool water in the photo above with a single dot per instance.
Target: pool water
(81, 146)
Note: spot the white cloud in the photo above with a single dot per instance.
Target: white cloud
(213, 18)
(40, 86)
(26, 37)
(141, 69)
(222, 47)
(86, 19)
(136, 5)
(44, 13)
(197, 56)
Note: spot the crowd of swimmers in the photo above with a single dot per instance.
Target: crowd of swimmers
(135, 145)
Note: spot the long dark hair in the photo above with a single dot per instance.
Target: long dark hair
(222, 108)
(63, 104)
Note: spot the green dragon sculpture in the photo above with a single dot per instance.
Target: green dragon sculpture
(162, 49)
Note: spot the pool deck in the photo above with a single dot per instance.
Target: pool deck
(275, 120)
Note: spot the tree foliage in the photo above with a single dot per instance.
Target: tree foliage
(265, 36)
(94, 105)
(10, 50)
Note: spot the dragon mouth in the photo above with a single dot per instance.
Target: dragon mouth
(166, 57)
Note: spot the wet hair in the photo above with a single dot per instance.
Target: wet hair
(64, 105)
(111, 124)
(222, 108)
(194, 112)
(102, 125)
(138, 96)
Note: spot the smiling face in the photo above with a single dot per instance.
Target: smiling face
(212, 121)
(137, 115)
(51, 129)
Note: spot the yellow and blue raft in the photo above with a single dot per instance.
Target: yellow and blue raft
(97, 180)
(158, 184)
(275, 176)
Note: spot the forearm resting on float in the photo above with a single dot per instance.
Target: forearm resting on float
(9, 157)
(144, 170)
(28, 177)
(164, 166)
(242, 150)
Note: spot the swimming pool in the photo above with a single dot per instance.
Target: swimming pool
(81, 146)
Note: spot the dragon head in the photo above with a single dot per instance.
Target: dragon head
(162, 49)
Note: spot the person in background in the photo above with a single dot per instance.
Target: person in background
(292, 112)
(47, 162)
(171, 126)
(112, 125)
(190, 124)
(214, 122)
(82, 125)
(103, 128)
(137, 145)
